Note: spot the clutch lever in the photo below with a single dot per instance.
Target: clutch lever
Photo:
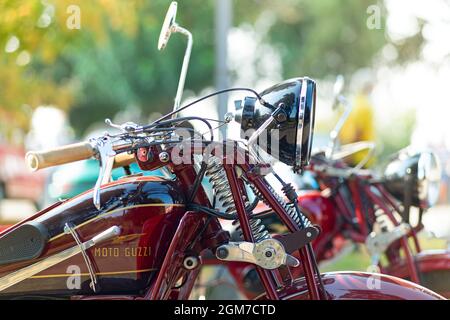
(127, 127)
(105, 155)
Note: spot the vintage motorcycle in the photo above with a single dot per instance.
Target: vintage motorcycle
(142, 237)
(374, 208)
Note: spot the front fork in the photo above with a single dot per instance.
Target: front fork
(267, 277)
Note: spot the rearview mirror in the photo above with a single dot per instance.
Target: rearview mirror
(337, 90)
(168, 26)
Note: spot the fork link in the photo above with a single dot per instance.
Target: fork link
(301, 220)
(219, 181)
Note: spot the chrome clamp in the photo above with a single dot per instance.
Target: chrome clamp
(69, 229)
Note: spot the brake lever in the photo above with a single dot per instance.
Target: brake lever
(104, 147)
(127, 127)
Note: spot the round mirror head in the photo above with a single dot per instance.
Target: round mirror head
(166, 29)
(338, 85)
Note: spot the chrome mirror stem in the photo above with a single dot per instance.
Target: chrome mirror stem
(184, 68)
(169, 27)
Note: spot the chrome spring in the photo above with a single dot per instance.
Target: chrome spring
(217, 177)
(219, 181)
(300, 219)
(258, 229)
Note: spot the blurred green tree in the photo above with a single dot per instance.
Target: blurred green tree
(319, 38)
(395, 134)
(112, 62)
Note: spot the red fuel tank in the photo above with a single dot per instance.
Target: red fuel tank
(321, 212)
(147, 210)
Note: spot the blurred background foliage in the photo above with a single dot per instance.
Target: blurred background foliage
(112, 63)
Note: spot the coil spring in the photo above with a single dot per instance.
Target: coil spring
(217, 177)
(219, 181)
(300, 219)
(259, 230)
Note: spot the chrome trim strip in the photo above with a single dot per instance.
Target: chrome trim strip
(84, 274)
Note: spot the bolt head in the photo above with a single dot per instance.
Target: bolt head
(191, 262)
(281, 117)
(164, 156)
(222, 253)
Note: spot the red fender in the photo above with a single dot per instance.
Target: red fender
(349, 285)
(434, 270)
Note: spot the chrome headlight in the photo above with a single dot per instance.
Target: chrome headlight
(417, 173)
(429, 178)
(294, 126)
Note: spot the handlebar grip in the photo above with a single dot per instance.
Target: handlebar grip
(70, 153)
(123, 160)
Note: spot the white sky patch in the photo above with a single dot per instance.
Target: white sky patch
(12, 44)
(401, 22)
(422, 85)
(247, 53)
(49, 128)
